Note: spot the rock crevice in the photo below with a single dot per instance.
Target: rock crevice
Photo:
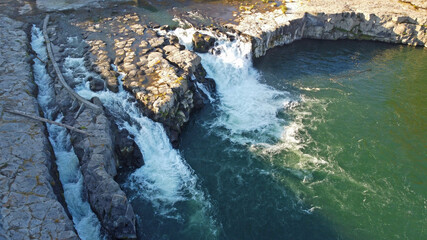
(29, 207)
(158, 71)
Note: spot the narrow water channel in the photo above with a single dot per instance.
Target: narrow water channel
(85, 221)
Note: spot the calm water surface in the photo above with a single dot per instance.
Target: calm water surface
(350, 161)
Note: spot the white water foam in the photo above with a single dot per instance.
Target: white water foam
(205, 91)
(248, 108)
(165, 179)
(85, 221)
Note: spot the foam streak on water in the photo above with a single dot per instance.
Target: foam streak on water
(165, 179)
(85, 221)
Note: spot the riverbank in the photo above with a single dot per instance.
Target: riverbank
(121, 49)
(32, 205)
(386, 21)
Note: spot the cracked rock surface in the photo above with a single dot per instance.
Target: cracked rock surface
(158, 71)
(29, 207)
(391, 21)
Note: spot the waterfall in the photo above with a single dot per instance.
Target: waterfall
(247, 108)
(249, 112)
(165, 180)
(85, 221)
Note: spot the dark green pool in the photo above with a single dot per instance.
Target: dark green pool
(350, 161)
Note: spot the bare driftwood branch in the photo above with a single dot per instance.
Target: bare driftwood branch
(58, 71)
(47, 121)
(40, 60)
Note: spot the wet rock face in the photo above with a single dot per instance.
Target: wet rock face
(352, 25)
(127, 151)
(156, 69)
(96, 84)
(29, 207)
(202, 42)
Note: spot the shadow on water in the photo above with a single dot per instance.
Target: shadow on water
(315, 58)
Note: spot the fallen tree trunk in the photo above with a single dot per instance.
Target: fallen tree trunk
(47, 121)
(58, 71)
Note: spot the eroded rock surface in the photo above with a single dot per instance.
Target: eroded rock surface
(95, 151)
(29, 207)
(202, 42)
(98, 166)
(387, 21)
(156, 69)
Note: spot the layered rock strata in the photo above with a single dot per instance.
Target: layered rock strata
(156, 69)
(387, 21)
(28, 177)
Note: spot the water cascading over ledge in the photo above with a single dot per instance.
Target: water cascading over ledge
(95, 152)
(85, 221)
(159, 72)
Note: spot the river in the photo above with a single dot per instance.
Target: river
(315, 140)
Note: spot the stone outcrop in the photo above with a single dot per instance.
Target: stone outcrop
(102, 65)
(127, 151)
(202, 42)
(98, 166)
(386, 21)
(28, 177)
(96, 152)
(156, 69)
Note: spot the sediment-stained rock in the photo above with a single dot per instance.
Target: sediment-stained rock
(29, 207)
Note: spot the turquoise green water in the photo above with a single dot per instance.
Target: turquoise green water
(352, 159)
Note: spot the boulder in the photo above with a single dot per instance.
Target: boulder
(96, 84)
(98, 166)
(127, 151)
(202, 42)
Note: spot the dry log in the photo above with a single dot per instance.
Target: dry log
(47, 121)
(58, 71)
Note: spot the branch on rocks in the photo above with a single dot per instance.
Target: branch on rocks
(58, 71)
(47, 121)
(40, 60)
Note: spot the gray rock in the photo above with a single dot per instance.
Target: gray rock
(96, 84)
(353, 19)
(29, 207)
(202, 42)
(98, 166)
(127, 151)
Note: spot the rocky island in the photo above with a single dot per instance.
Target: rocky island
(115, 47)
